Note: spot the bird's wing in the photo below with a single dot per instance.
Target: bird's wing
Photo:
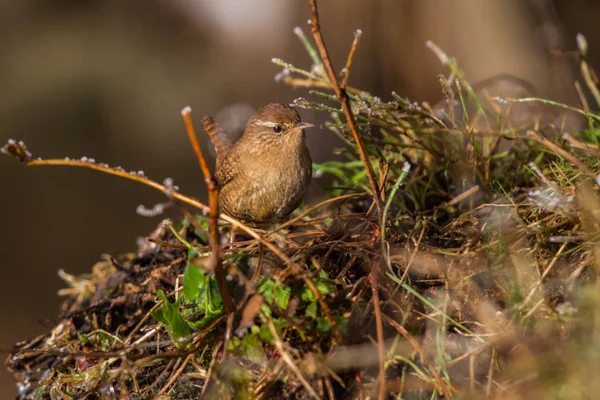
(225, 169)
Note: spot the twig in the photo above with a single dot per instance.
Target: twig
(561, 152)
(344, 100)
(342, 96)
(584, 103)
(424, 357)
(213, 359)
(379, 324)
(288, 359)
(346, 71)
(316, 207)
(544, 274)
(463, 195)
(580, 145)
(175, 375)
(488, 387)
(309, 83)
(213, 215)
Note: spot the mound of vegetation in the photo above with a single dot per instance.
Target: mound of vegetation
(456, 256)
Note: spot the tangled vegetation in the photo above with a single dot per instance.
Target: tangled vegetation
(456, 257)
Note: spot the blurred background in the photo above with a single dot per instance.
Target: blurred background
(107, 79)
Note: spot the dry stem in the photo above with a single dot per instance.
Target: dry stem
(213, 215)
(342, 95)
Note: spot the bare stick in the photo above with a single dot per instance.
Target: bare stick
(424, 358)
(564, 154)
(213, 214)
(579, 145)
(378, 196)
(316, 207)
(344, 100)
(379, 325)
(463, 195)
(346, 70)
(287, 359)
(310, 83)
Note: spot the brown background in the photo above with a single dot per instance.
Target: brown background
(107, 79)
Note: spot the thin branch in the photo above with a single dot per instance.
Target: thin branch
(379, 325)
(561, 152)
(309, 83)
(344, 100)
(378, 196)
(342, 96)
(287, 359)
(346, 71)
(580, 145)
(424, 357)
(316, 207)
(213, 215)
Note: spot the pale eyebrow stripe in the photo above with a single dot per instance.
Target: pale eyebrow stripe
(270, 124)
(266, 123)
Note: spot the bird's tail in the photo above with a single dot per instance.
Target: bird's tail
(218, 136)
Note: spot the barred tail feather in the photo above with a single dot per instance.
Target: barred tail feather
(218, 136)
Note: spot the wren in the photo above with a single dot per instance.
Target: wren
(263, 176)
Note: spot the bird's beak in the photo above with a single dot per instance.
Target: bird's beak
(304, 125)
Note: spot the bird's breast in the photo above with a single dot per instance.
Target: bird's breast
(271, 184)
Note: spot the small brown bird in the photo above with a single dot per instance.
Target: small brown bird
(263, 176)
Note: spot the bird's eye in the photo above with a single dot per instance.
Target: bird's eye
(277, 129)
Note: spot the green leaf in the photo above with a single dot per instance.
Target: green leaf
(169, 315)
(249, 346)
(201, 294)
(311, 310)
(307, 295)
(194, 282)
(275, 292)
(265, 287)
(325, 287)
(265, 333)
(324, 328)
(282, 296)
